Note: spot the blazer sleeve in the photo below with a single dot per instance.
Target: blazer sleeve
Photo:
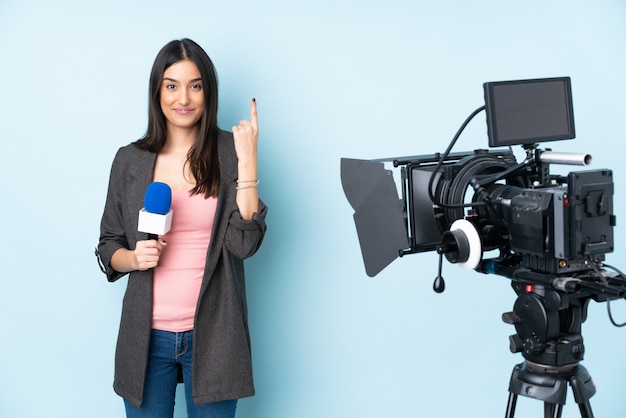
(112, 232)
(244, 237)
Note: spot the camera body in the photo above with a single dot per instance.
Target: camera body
(558, 229)
(548, 224)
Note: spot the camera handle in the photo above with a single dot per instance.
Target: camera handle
(439, 285)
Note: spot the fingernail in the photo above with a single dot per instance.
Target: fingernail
(253, 99)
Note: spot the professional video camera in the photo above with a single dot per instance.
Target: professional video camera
(548, 233)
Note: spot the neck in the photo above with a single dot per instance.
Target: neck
(180, 140)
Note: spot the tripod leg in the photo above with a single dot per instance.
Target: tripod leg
(585, 410)
(583, 388)
(552, 410)
(510, 407)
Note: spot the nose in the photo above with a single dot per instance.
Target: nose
(183, 97)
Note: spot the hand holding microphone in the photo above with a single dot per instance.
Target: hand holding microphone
(155, 218)
(147, 253)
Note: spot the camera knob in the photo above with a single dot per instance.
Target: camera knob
(515, 344)
(511, 318)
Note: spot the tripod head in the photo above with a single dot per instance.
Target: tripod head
(548, 324)
(548, 315)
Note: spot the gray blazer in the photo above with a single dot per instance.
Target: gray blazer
(221, 366)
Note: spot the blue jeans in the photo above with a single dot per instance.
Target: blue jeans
(168, 351)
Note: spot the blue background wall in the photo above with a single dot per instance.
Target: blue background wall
(333, 79)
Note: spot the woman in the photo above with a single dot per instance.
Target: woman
(184, 315)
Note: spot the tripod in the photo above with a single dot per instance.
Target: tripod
(551, 388)
(548, 324)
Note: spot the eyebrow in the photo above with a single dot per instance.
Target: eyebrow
(176, 81)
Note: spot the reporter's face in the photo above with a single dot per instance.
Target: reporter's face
(182, 95)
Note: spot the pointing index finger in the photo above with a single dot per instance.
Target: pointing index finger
(253, 113)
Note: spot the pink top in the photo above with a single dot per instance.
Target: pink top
(178, 277)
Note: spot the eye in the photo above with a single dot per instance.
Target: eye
(170, 86)
(196, 86)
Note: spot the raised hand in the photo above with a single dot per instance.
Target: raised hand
(246, 136)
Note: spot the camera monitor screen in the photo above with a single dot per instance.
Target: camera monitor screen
(529, 111)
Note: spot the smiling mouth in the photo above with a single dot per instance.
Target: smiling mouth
(183, 111)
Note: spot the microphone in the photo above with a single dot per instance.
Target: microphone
(155, 218)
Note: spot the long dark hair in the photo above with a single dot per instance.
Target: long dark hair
(202, 157)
